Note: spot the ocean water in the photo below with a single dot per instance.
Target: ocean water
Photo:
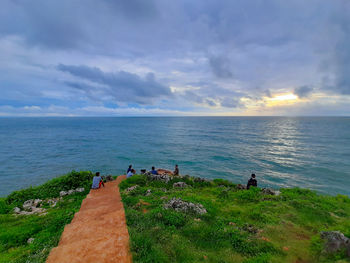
(310, 152)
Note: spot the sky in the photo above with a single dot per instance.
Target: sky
(174, 58)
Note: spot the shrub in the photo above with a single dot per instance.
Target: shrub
(52, 188)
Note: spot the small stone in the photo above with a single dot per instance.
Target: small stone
(200, 180)
(241, 187)
(109, 178)
(63, 193)
(80, 189)
(30, 240)
(17, 210)
(268, 191)
(197, 219)
(132, 188)
(180, 185)
(72, 191)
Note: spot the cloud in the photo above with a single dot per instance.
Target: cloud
(221, 66)
(341, 55)
(232, 52)
(303, 91)
(121, 86)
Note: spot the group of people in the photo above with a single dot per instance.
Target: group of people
(97, 180)
(130, 172)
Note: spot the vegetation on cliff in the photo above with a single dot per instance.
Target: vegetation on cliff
(43, 231)
(239, 226)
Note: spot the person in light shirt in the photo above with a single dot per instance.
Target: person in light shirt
(130, 173)
(97, 181)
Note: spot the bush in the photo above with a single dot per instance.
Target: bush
(137, 179)
(52, 188)
(223, 182)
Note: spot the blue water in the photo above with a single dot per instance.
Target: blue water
(283, 152)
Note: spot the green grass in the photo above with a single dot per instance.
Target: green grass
(240, 226)
(45, 229)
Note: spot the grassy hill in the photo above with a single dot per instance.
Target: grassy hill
(46, 229)
(239, 226)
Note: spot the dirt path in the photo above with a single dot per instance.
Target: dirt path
(98, 232)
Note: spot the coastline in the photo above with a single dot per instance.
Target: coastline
(227, 223)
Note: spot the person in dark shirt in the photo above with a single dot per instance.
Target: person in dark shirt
(252, 182)
(154, 171)
(176, 171)
(129, 169)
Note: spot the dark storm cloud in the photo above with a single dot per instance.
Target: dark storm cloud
(122, 86)
(303, 91)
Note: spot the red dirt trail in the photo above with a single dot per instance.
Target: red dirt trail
(98, 232)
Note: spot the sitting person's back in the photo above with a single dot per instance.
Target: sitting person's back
(154, 171)
(97, 181)
(252, 182)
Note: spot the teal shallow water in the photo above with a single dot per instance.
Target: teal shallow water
(311, 152)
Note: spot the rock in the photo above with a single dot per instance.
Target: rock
(33, 210)
(200, 180)
(158, 177)
(164, 172)
(80, 189)
(182, 206)
(30, 240)
(52, 202)
(37, 202)
(269, 191)
(132, 188)
(335, 241)
(72, 191)
(241, 187)
(109, 178)
(27, 205)
(148, 192)
(250, 228)
(63, 193)
(180, 185)
(17, 210)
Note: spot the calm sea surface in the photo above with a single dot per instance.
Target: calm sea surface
(283, 152)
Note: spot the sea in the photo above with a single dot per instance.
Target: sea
(307, 152)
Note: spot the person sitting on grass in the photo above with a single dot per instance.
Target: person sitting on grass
(129, 169)
(252, 182)
(130, 173)
(97, 181)
(176, 171)
(154, 171)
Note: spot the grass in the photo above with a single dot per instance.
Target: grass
(45, 229)
(240, 226)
